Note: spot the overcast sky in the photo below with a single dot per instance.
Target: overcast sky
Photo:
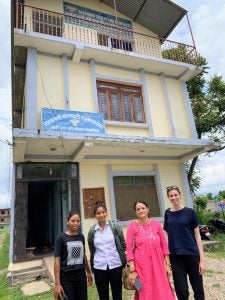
(207, 23)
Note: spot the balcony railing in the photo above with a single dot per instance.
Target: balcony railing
(32, 19)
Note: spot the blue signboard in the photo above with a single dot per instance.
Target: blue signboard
(72, 121)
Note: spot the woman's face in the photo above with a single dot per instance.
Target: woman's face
(101, 214)
(141, 210)
(174, 197)
(74, 222)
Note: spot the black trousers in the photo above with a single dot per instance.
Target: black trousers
(183, 265)
(74, 284)
(102, 280)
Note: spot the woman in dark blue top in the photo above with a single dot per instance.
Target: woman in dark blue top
(185, 245)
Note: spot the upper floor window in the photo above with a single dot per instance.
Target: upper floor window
(122, 103)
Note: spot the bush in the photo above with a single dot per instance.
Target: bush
(204, 216)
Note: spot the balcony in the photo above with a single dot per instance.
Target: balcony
(81, 38)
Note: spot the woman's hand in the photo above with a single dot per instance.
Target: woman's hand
(202, 267)
(58, 291)
(168, 270)
(89, 279)
(132, 276)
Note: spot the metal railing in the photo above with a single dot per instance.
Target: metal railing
(32, 19)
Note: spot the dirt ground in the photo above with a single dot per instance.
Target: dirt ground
(214, 278)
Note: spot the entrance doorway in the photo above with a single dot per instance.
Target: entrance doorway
(48, 205)
(44, 193)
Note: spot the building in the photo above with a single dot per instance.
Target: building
(4, 217)
(100, 113)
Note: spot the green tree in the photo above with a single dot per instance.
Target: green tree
(209, 196)
(201, 202)
(221, 194)
(208, 105)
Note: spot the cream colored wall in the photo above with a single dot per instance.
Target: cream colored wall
(115, 72)
(93, 176)
(56, 5)
(157, 103)
(170, 174)
(80, 87)
(182, 128)
(50, 89)
(127, 131)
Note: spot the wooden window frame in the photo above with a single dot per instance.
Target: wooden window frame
(109, 88)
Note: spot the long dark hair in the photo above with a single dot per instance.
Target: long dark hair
(72, 213)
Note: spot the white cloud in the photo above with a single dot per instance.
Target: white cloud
(212, 173)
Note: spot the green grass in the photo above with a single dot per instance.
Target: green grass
(4, 256)
(15, 293)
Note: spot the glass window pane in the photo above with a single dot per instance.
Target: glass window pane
(103, 104)
(127, 108)
(138, 109)
(115, 106)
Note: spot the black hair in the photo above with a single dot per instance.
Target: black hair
(71, 213)
(140, 201)
(98, 205)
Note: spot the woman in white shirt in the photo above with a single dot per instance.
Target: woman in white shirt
(107, 247)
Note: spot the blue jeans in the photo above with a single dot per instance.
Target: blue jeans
(183, 265)
(74, 284)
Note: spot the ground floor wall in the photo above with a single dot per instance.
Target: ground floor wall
(101, 173)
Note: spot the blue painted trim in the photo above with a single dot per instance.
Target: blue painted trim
(66, 81)
(31, 90)
(159, 189)
(147, 99)
(167, 100)
(94, 84)
(188, 107)
(12, 212)
(186, 187)
(111, 193)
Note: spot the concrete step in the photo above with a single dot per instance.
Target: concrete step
(26, 272)
(48, 263)
(208, 245)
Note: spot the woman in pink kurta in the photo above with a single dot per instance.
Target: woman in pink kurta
(148, 256)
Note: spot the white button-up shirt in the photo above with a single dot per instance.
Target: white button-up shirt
(105, 249)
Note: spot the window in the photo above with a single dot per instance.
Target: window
(129, 189)
(122, 103)
(2, 212)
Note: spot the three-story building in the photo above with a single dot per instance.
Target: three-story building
(101, 113)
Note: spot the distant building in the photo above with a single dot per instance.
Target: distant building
(4, 217)
(211, 205)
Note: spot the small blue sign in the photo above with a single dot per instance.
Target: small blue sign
(72, 121)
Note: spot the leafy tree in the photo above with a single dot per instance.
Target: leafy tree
(222, 194)
(209, 196)
(208, 105)
(201, 202)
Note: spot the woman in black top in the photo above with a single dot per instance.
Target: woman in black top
(70, 262)
(185, 245)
